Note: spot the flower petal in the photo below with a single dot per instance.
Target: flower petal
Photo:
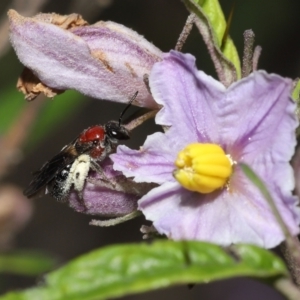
(153, 162)
(189, 97)
(105, 63)
(265, 139)
(268, 122)
(222, 218)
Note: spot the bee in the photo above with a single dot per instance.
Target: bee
(70, 167)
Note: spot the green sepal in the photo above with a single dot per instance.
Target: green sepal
(212, 26)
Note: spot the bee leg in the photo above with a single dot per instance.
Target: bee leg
(104, 184)
(106, 181)
(79, 173)
(81, 200)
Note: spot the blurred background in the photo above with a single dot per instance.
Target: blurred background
(32, 133)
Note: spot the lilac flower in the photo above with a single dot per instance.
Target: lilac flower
(105, 60)
(252, 122)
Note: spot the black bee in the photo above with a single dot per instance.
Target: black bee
(69, 168)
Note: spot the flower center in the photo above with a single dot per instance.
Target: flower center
(203, 168)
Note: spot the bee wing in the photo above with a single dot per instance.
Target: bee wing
(49, 170)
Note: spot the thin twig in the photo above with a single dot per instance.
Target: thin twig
(248, 52)
(140, 120)
(185, 32)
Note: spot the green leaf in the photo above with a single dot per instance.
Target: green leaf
(212, 26)
(26, 263)
(125, 269)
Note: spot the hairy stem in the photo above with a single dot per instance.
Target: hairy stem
(115, 221)
(256, 56)
(290, 250)
(185, 32)
(287, 288)
(248, 52)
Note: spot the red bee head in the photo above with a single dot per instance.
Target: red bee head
(92, 141)
(92, 134)
(98, 141)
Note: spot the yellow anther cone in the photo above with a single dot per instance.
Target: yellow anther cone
(202, 168)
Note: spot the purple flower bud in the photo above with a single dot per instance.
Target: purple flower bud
(105, 60)
(113, 196)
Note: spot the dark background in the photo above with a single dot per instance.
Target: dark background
(57, 229)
